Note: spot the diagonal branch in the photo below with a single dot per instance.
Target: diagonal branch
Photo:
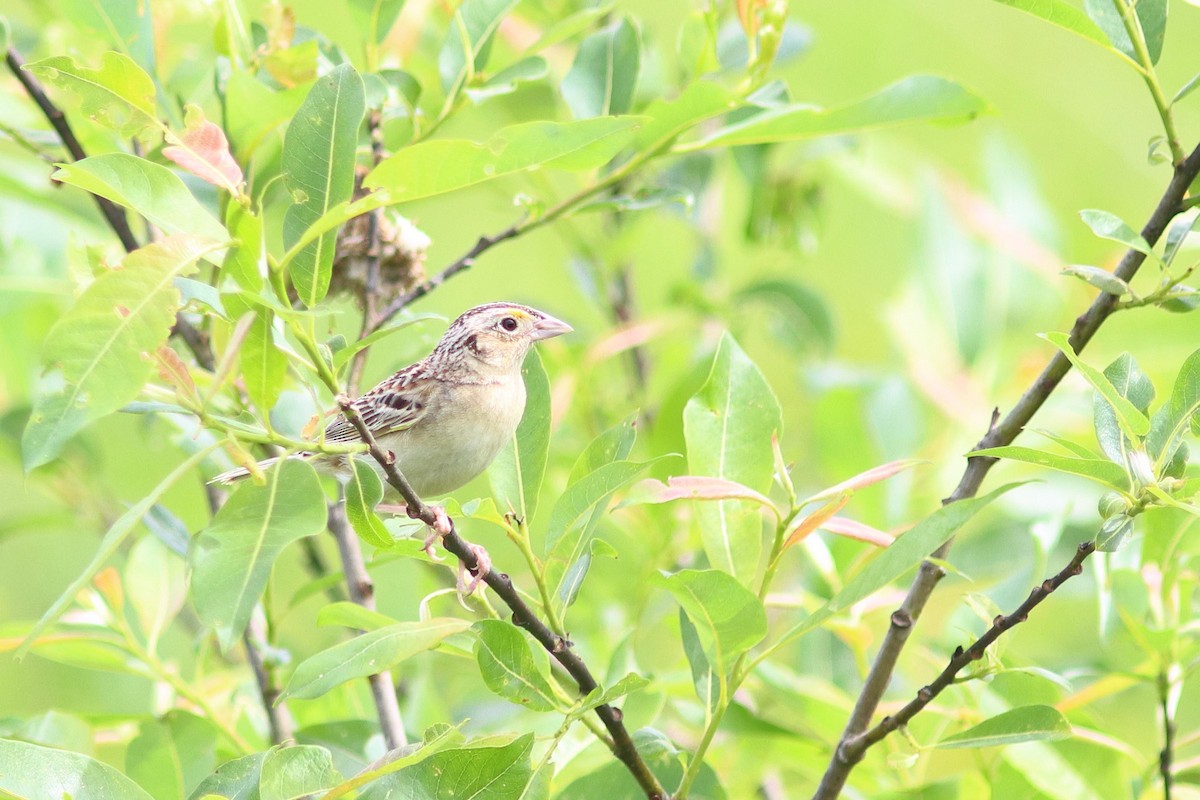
(853, 749)
(523, 616)
(1001, 432)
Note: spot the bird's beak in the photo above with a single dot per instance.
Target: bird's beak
(548, 327)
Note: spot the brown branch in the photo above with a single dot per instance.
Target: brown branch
(113, 213)
(465, 262)
(1002, 432)
(362, 592)
(283, 725)
(523, 616)
(853, 749)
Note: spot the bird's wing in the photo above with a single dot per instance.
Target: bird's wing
(392, 406)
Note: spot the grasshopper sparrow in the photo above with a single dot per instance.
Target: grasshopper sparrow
(447, 416)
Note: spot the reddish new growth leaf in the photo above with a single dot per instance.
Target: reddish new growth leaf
(203, 151)
(693, 487)
(815, 520)
(864, 479)
(853, 529)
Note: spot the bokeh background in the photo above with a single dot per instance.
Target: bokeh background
(922, 262)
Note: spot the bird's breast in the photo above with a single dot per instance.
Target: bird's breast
(459, 435)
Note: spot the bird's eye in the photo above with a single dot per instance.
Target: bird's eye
(509, 324)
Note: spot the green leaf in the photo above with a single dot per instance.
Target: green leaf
(916, 99)
(443, 165)
(728, 426)
(516, 474)
(170, 757)
(1110, 226)
(495, 768)
(1184, 91)
(602, 695)
(508, 667)
(254, 110)
(602, 80)
(153, 191)
(1131, 420)
(352, 615)
(572, 25)
(1062, 14)
(292, 773)
(103, 347)
(232, 557)
(904, 554)
(125, 24)
(614, 444)
(1113, 533)
(155, 583)
(263, 364)
(573, 519)
(432, 745)
(1132, 384)
(1173, 419)
(704, 679)
(234, 779)
(375, 18)
(1024, 724)
(32, 772)
(469, 41)
(729, 619)
(119, 95)
(1101, 279)
(1151, 16)
(109, 544)
(507, 80)
(318, 160)
(804, 314)
(1101, 471)
(242, 262)
(364, 490)
(368, 654)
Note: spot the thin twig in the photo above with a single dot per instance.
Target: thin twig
(283, 726)
(523, 616)
(853, 749)
(1167, 754)
(1001, 432)
(465, 262)
(113, 213)
(362, 592)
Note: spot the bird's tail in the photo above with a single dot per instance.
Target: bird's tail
(235, 475)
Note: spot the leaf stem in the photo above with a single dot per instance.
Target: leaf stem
(1133, 27)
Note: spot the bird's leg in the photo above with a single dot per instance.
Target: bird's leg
(483, 565)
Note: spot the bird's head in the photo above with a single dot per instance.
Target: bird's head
(497, 336)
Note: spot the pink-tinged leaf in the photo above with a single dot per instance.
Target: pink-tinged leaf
(816, 519)
(203, 151)
(693, 487)
(857, 530)
(864, 479)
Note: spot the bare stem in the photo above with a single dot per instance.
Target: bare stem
(523, 616)
(1001, 432)
(1166, 755)
(283, 726)
(362, 592)
(853, 749)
